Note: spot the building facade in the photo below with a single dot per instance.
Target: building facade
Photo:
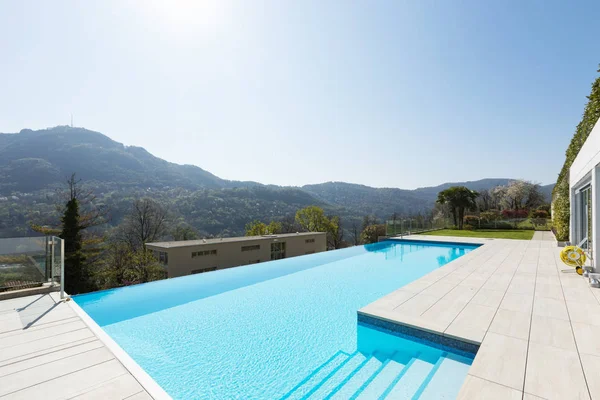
(196, 256)
(584, 194)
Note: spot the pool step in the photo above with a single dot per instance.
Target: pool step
(359, 376)
(447, 380)
(380, 381)
(320, 374)
(341, 375)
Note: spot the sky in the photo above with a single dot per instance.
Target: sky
(382, 93)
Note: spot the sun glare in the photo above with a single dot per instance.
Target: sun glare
(186, 16)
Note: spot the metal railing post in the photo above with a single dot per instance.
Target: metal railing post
(49, 277)
(62, 269)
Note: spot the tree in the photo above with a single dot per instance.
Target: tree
(257, 228)
(458, 198)
(355, 233)
(335, 236)
(77, 274)
(146, 221)
(124, 266)
(289, 225)
(372, 233)
(368, 220)
(82, 248)
(312, 219)
(185, 232)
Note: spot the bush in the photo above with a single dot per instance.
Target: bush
(538, 214)
(468, 227)
(490, 216)
(515, 213)
(471, 220)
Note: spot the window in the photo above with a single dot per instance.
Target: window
(204, 253)
(251, 248)
(199, 271)
(277, 250)
(163, 257)
(309, 241)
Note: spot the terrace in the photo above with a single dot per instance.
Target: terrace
(535, 326)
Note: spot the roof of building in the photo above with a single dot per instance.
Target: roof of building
(188, 243)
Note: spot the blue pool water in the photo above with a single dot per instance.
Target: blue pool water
(283, 329)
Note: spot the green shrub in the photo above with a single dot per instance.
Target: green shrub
(471, 220)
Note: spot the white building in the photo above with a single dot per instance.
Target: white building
(584, 185)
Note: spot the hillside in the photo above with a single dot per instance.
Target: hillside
(34, 163)
(34, 160)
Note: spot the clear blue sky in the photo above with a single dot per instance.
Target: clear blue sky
(383, 93)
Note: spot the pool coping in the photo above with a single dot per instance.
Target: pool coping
(144, 379)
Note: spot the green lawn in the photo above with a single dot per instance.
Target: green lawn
(486, 233)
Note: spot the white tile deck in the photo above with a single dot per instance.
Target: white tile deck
(48, 352)
(538, 327)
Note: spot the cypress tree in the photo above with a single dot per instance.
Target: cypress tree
(77, 279)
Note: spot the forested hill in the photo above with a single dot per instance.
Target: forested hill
(34, 163)
(34, 160)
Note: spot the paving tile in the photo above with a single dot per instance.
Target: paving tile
(522, 285)
(591, 369)
(448, 307)
(45, 343)
(476, 388)
(27, 336)
(489, 298)
(49, 357)
(120, 387)
(45, 351)
(11, 322)
(140, 396)
(546, 307)
(52, 370)
(587, 337)
(472, 323)
(568, 279)
(417, 286)
(517, 302)
(498, 282)
(549, 290)
(69, 385)
(554, 373)
(552, 332)
(501, 359)
(394, 299)
(582, 312)
(416, 305)
(527, 396)
(511, 323)
(438, 289)
(579, 295)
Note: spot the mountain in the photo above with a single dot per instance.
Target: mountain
(34, 160)
(33, 164)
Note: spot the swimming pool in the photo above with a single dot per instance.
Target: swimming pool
(283, 329)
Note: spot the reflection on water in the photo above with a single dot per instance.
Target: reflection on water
(453, 254)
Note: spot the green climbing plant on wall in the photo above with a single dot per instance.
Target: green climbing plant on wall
(560, 194)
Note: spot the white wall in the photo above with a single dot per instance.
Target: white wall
(588, 157)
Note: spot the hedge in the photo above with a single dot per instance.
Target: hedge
(560, 193)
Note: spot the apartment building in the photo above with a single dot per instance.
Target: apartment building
(196, 256)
